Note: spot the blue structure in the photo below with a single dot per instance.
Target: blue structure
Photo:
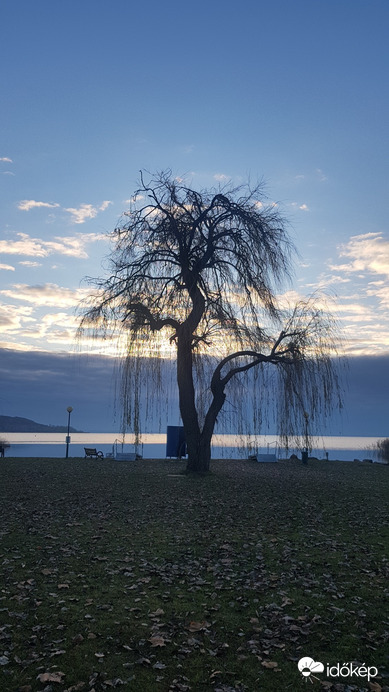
(175, 441)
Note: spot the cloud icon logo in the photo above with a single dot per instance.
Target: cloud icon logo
(307, 666)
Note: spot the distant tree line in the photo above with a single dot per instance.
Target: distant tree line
(18, 424)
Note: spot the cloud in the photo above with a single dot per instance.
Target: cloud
(302, 207)
(46, 295)
(7, 267)
(6, 159)
(13, 318)
(321, 175)
(368, 252)
(53, 328)
(381, 293)
(326, 280)
(355, 312)
(27, 204)
(71, 246)
(133, 200)
(78, 214)
(187, 149)
(27, 263)
(363, 325)
(222, 177)
(37, 326)
(40, 385)
(86, 211)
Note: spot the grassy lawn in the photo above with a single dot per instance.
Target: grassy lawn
(132, 575)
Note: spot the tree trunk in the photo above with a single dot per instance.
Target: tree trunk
(186, 393)
(204, 454)
(199, 457)
(198, 441)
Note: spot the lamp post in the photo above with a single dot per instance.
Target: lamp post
(69, 410)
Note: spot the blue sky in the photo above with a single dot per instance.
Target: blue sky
(295, 93)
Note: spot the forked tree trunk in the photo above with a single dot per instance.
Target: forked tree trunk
(198, 441)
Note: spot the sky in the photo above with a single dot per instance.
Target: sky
(291, 93)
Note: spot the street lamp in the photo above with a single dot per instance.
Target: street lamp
(69, 410)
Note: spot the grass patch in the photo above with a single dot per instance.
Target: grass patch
(134, 576)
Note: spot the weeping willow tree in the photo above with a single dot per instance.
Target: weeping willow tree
(198, 274)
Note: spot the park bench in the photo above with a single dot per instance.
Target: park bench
(92, 452)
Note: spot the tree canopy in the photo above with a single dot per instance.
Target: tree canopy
(201, 273)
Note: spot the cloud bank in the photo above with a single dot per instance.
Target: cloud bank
(71, 246)
(46, 294)
(368, 252)
(78, 214)
(41, 385)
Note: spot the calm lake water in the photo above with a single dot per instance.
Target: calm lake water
(154, 445)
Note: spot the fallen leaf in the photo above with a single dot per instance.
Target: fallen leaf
(215, 674)
(51, 677)
(143, 661)
(269, 664)
(198, 626)
(157, 641)
(78, 639)
(375, 687)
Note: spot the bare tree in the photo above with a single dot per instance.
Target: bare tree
(202, 269)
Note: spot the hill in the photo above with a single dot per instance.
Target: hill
(17, 424)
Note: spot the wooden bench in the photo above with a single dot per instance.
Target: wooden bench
(92, 452)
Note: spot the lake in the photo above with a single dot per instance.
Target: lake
(154, 445)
